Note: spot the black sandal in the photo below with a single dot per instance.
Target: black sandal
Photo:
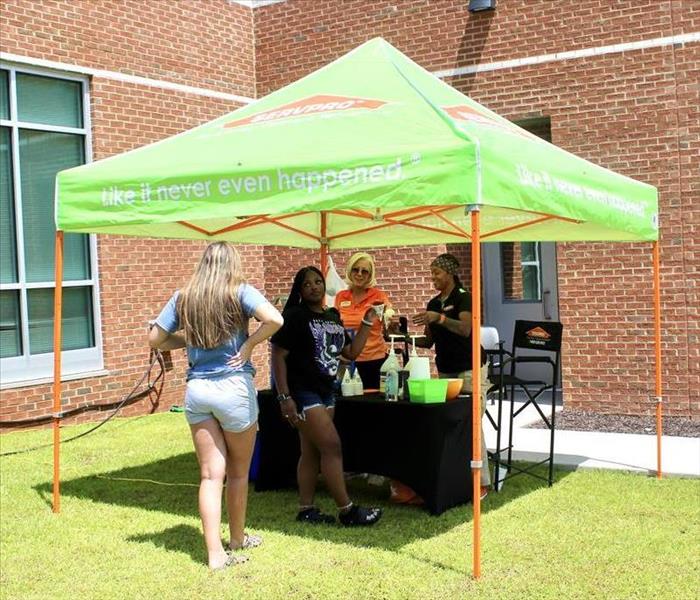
(314, 515)
(359, 515)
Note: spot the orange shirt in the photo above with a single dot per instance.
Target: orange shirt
(352, 314)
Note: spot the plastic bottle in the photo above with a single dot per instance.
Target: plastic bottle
(390, 362)
(392, 383)
(357, 387)
(417, 367)
(413, 353)
(346, 385)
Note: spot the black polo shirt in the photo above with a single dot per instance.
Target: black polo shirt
(453, 353)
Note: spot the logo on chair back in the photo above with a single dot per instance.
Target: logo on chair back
(538, 336)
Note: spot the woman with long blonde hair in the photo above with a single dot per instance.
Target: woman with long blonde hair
(209, 317)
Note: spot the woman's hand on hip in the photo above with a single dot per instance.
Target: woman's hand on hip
(241, 357)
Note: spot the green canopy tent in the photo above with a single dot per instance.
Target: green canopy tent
(371, 150)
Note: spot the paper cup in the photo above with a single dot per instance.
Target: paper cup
(379, 310)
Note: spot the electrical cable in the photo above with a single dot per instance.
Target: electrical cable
(154, 386)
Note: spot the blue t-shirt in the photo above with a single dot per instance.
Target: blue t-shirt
(209, 363)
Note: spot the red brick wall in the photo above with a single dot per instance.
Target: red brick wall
(206, 44)
(296, 37)
(634, 112)
(686, 280)
(203, 43)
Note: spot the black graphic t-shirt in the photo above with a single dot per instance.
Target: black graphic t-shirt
(314, 341)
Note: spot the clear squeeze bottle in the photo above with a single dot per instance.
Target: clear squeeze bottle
(391, 392)
(391, 361)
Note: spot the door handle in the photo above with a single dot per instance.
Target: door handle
(545, 304)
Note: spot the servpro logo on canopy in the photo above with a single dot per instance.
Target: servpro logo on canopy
(320, 103)
(467, 113)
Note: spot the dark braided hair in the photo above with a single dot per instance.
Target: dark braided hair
(294, 298)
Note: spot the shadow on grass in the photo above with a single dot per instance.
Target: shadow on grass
(182, 539)
(170, 486)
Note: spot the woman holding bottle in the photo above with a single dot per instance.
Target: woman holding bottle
(353, 303)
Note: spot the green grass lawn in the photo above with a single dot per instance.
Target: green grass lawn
(129, 528)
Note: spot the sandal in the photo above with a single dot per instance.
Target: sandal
(249, 541)
(314, 515)
(233, 559)
(359, 515)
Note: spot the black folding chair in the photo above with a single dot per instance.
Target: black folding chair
(545, 338)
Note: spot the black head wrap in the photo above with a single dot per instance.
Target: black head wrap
(446, 262)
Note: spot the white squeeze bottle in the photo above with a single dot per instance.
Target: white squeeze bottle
(357, 387)
(418, 367)
(346, 385)
(413, 354)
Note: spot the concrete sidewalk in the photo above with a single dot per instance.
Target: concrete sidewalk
(595, 450)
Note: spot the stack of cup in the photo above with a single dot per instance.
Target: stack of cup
(419, 367)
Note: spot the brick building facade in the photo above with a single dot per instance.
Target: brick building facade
(616, 83)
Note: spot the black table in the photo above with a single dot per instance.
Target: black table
(426, 446)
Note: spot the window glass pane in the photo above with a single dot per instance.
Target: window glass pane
(520, 281)
(8, 256)
(4, 96)
(41, 155)
(48, 100)
(529, 251)
(78, 329)
(10, 338)
(531, 287)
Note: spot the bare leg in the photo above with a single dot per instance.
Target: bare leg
(320, 431)
(307, 469)
(210, 446)
(240, 452)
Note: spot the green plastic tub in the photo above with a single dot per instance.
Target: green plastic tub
(428, 391)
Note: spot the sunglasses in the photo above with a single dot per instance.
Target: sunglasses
(360, 271)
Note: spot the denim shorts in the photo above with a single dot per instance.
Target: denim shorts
(306, 399)
(230, 399)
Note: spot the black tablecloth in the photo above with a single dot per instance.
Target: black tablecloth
(426, 446)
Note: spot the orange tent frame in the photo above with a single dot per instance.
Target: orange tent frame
(404, 218)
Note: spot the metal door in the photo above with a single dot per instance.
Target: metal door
(520, 282)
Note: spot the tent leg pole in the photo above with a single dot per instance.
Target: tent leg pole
(476, 388)
(324, 243)
(57, 323)
(657, 354)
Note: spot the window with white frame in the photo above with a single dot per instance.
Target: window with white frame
(43, 129)
(521, 269)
